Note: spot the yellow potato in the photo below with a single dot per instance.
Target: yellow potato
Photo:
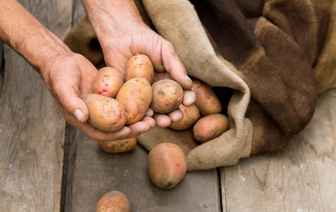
(210, 127)
(107, 82)
(190, 116)
(167, 165)
(135, 95)
(140, 66)
(106, 114)
(206, 100)
(167, 96)
(118, 146)
(113, 201)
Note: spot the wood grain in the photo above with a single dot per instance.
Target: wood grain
(300, 178)
(97, 172)
(31, 126)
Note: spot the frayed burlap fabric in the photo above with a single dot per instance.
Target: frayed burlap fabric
(276, 55)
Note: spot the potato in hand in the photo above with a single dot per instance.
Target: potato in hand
(140, 66)
(167, 96)
(107, 82)
(106, 114)
(136, 96)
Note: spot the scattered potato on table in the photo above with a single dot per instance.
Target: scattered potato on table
(190, 115)
(206, 99)
(113, 201)
(107, 82)
(167, 96)
(140, 66)
(210, 127)
(136, 96)
(167, 165)
(105, 113)
(118, 146)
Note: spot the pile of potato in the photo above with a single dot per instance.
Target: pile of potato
(116, 102)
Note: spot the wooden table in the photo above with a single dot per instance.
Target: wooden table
(47, 165)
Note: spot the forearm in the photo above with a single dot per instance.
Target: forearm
(26, 35)
(106, 16)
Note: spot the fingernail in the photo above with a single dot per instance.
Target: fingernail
(188, 78)
(78, 114)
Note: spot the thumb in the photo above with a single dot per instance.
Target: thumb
(71, 103)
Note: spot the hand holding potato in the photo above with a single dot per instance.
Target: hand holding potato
(126, 35)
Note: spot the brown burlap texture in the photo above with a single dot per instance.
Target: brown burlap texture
(277, 56)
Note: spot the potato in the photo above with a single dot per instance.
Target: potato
(190, 115)
(105, 113)
(167, 165)
(140, 66)
(118, 146)
(167, 96)
(107, 82)
(206, 99)
(113, 201)
(210, 127)
(136, 96)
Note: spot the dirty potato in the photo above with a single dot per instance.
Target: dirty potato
(167, 96)
(167, 165)
(210, 127)
(206, 99)
(136, 96)
(140, 66)
(118, 146)
(105, 114)
(190, 115)
(113, 201)
(107, 82)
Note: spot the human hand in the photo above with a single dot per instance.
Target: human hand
(137, 37)
(69, 79)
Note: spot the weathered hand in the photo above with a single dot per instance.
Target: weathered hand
(69, 80)
(138, 38)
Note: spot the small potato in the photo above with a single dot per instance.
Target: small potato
(167, 165)
(118, 146)
(106, 114)
(140, 66)
(206, 99)
(107, 82)
(210, 127)
(136, 96)
(113, 201)
(191, 114)
(167, 96)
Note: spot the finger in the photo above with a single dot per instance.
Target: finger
(138, 128)
(149, 120)
(176, 115)
(189, 97)
(174, 66)
(67, 96)
(162, 120)
(149, 112)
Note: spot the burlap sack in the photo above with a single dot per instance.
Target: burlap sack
(273, 70)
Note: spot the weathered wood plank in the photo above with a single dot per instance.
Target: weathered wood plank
(300, 178)
(96, 172)
(31, 126)
(1, 67)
